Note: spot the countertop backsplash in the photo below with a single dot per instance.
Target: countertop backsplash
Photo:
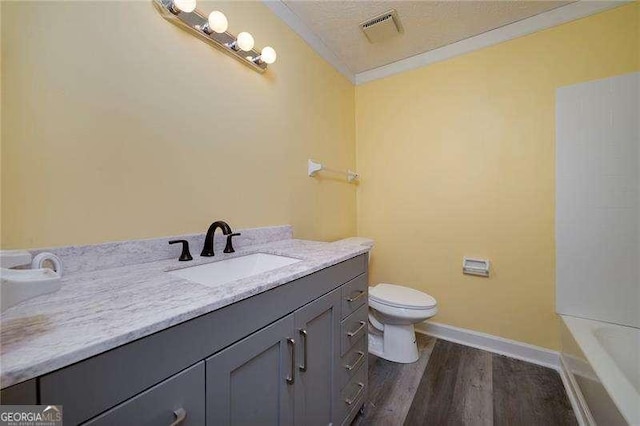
(96, 257)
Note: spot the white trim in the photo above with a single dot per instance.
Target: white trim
(544, 20)
(295, 23)
(560, 15)
(495, 344)
(580, 408)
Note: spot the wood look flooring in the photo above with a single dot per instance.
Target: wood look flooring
(452, 384)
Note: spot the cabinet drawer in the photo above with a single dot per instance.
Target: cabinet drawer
(163, 404)
(352, 396)
(353, 328)
(354, 294)
(349, 364)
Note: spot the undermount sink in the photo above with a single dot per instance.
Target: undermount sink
(224, 271)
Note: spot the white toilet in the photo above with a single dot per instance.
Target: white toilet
(393, 310)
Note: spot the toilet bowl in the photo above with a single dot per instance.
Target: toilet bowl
(393, 310)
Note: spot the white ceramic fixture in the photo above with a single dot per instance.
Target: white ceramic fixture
(612, 352)
(13, 258)
(225, 271)
(18, 285)
(393, 310)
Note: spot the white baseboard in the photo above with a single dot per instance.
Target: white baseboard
(499, 345)
(583, 415)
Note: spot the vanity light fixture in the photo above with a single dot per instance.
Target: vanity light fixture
(268, 56)
(212, 29)
(177, 6)
(216, 22)
(244, 41)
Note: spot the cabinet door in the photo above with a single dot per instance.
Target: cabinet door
(252, 381)
(318, 350)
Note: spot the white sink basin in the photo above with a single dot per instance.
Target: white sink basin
(224, 271)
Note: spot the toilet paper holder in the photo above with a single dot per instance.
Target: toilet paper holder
(475, 266)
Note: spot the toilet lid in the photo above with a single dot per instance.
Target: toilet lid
(401, 297)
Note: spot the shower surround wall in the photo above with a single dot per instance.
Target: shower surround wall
(597, 200)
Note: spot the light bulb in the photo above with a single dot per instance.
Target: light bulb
(245, 41)
(268, 55)
(185, 5)
(218, 22)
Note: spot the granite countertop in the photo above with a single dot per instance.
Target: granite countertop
(96, 311)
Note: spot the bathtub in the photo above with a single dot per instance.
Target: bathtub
(602, 362)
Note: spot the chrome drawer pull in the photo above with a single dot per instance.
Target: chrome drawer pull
(180, 414)
(353, 299)
(355, 397)
(291, 379)
(352, 366)
(303, 336)
(357, 330)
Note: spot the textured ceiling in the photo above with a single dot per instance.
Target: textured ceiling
(427, 25)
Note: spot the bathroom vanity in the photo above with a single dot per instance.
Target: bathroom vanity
(292, 353)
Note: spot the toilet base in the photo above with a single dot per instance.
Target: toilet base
(396, 343)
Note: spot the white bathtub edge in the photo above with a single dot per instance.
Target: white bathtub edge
(620, 390)
(580, 407)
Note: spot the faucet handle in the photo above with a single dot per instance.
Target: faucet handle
(185, 256)
(229, 247)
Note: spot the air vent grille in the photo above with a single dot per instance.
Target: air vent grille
(377, 20)
(382, 27)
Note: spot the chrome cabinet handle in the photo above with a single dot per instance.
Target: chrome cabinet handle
(352, 366)
(357, 330)
(355, 397)
(180, 414)
(291, 379)
(353, 299)
(303, 336)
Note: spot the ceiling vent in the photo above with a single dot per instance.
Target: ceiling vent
(382, 27)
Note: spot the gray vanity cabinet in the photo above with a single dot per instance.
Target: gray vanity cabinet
(295, 354)
(318, 342)
(289, 365)
(252, 381)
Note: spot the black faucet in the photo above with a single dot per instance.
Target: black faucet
(207, 249)
(185, 256)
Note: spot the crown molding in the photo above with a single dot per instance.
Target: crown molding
(295, 23)
(551, 18)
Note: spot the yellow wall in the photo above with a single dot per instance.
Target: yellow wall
(119, 125)
(457, 159)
